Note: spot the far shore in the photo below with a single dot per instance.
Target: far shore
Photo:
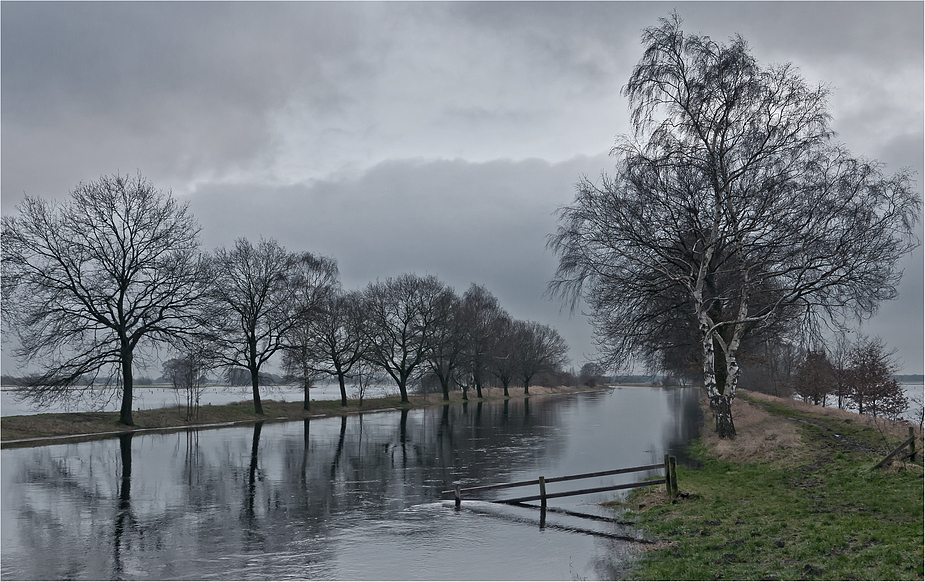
(53, 428)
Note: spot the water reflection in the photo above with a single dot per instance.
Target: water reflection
(355, 497)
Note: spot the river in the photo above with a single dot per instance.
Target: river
(354, 498)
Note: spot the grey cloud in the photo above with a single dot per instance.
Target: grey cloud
(904, 151)
(482, 223)
(228, 102)
(186, 88)
(485, 223)
(856, 31)
(193, 92)
(899, 322)
(106, 56)
(476, 114)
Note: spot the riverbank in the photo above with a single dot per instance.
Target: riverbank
(793, 497)
(44, 429)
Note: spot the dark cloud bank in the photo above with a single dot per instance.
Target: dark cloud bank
(429, 137)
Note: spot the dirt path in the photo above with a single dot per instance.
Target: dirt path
(833, 431)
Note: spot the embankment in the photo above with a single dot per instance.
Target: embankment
(793, 497)
(43, 429)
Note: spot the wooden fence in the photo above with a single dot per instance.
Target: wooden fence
(910, 442)
(670, 480)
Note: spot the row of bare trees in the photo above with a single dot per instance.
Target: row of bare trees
(92, 284)
(412, 326)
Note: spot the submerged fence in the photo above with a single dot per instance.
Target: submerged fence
(670, 480)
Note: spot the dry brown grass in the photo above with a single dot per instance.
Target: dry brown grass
(759, 435)
(494, 394)
(892, 429)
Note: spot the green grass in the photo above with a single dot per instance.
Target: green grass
(824, 516)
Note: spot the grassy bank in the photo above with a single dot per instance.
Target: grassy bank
(43, 429)
(793, 497)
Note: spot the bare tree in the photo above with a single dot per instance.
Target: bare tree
(89, 281)
(591, 374)
(730, 205)
(363, 376)
(253, 305)
(313, 281)
(504, 360)
(540, 348)
(840, 356)
(401, 324)
(481, 314)
(335, 342)
(187, 374)
(768, 365)
(448, 341)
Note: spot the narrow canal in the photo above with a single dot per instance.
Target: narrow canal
(356, 498)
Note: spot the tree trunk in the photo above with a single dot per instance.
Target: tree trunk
(721, 405)
(306, 384)
(125, 450)
(404, 390)
(255, 383)
(720, 376)
(343, 388)
(444, 383)
(125, 414)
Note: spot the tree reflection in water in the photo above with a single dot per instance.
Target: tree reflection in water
(315, 498)
(124, 517)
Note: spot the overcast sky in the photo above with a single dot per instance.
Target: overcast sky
(436, 138)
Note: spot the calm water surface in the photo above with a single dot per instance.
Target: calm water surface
(353, 498)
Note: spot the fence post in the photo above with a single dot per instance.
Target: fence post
(673, 466)
(542, 492)
(458, 499)
(912, 444)
(667, 475)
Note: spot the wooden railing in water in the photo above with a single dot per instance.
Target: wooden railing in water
(670, 480)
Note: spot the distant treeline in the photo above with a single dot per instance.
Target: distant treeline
(910, 378)
(240, 378)
(233, 377)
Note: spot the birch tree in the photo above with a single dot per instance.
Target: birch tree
(730, 209)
